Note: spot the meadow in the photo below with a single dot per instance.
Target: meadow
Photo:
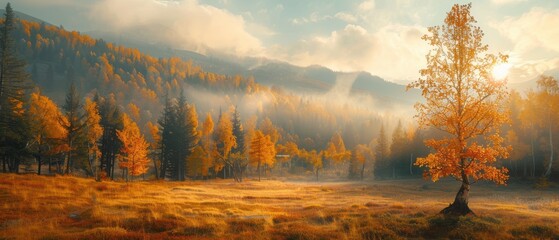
(61, 207)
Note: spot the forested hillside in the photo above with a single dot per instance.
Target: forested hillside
(344, 136)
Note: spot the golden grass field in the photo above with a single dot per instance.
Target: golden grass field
(39, 207)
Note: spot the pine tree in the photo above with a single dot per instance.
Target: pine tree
(397, 149)
(74, 124)
(179, 136)
(14, 130)
(381, 153)
(239, 160)
(111, 121)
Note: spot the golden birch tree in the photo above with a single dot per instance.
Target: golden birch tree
(463, 100)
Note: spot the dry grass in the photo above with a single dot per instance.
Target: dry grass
(37, 207)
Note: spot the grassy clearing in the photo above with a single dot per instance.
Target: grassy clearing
(37, 207)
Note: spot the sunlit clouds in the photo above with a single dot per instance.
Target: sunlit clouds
(534, 35)
(180, 24)
(378, 36)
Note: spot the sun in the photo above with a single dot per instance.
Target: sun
(501, 71)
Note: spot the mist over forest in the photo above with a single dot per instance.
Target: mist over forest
(260, 146)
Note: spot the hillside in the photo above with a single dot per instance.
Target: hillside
(57, 57)
(301, 80)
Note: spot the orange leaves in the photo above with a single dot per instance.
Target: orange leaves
(463, 100)
(134, 148)
(262, 149)
(225, 135)
(45, 118)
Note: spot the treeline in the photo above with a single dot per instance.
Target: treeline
(128, 114)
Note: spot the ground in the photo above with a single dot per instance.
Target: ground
(40, 207)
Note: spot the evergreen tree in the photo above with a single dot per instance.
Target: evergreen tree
(179, 136)
(381, 153)
(74, 124)
(111, 121)
(14, 130)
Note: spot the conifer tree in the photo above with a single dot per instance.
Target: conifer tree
(14, 130)
(74, 123)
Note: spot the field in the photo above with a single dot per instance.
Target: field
(39, 207)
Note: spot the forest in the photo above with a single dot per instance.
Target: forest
(80, 108)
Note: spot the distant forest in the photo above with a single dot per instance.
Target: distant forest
(110, 102)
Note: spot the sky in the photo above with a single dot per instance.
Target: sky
(382, 37)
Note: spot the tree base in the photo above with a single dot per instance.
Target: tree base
(457, 209)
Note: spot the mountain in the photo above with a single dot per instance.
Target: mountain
(24, 16)
(272, 73)
(307, 105)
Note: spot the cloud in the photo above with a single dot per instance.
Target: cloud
(367, 5)
(180, 24)
(503, 2)
(346, 17)
(534, 29)
(534, 36)
(395, 52)
(314, 17)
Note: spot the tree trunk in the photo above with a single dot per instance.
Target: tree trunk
(460, 205)
(533, 156)
(411, 164)
(155, 168)
(39, 161)
(362, 170)
(259, 171)
(548, 171)
(317, 174)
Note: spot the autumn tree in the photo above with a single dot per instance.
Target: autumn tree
(316, 159)
(93, 132)
(225, 141)
(464, 101)
(548, 102)
(289, 150)
(336, 150)
(134, 149)
(44, 121)
(154, 141)
(262, 151)
(359, 158)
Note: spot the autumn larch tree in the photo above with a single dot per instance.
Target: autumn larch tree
(262, 151)
(464, 101)
(289, 150)
(46, 130)
(134, 149)
(359, 158)
(154, 142)
(93, 132)
(225, 141)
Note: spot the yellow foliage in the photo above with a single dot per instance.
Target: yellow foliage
(463, 100)
(134, 148)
